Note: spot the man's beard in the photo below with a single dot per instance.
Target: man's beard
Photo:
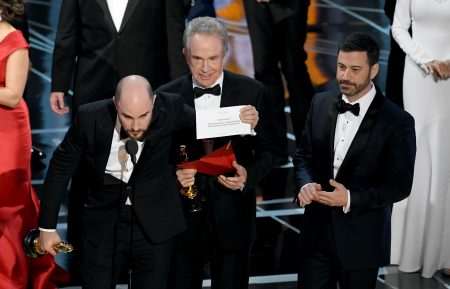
(140, 138)
(353, 89)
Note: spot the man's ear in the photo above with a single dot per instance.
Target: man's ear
(154, 98)
(115, 101)
(185, 54)
(374, 71)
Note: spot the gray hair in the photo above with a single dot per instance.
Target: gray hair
(206, 25)
(134, 78)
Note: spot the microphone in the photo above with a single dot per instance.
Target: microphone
(131, 147)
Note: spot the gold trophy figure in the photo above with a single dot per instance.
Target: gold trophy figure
(33, 249)
(191, 193)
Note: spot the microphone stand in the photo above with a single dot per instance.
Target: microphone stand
(131, 148)
(130, 269)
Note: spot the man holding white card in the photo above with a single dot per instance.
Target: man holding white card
(225, 227)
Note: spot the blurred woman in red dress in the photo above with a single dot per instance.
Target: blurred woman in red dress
(18, 201)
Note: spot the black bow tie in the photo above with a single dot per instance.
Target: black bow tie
(215, 90)
(343, 107)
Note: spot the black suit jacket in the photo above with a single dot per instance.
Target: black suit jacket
(157, 203)
(378, 171)
(88, 45)
(234, 211)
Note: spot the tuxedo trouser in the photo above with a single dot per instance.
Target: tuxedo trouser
(77, 198)
(278, 42)
(149, 262)
(323, 270)
(229, 269)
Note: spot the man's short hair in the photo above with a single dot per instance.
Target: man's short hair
(361, 42)
(206, 25)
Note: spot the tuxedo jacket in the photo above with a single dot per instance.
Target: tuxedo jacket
(90, 50)
(153, 181)
(234, 212)
(377, 170)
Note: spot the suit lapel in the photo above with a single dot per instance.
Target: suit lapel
(227, 97)
(107, 14)
(187, 91)
(361, 138)
(103, 137)
(128, 12)
(328, 137)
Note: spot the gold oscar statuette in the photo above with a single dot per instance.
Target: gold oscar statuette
(192, 192)
(33, 249)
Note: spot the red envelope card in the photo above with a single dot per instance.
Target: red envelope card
(216, 163)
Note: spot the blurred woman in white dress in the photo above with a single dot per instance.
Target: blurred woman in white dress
(421, 223)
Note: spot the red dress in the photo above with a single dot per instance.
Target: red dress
(18, 201)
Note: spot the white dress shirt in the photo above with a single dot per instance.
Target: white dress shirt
(347, 124)
(119, 163)
(117, 10)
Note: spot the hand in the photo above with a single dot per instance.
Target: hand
(46, 239)
(249, 114)
(308, 193)
(439, 69)
(57, 103)
(238, 181)
(186, 177)
(336, 198)
(444, 69)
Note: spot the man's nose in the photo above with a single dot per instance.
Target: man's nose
(346, 74)
(134, 125)
(205, 66)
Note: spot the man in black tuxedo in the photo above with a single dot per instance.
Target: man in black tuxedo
(129, 197)
(225, 228)
(100, 41)
(355, 160)
(124, 200)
